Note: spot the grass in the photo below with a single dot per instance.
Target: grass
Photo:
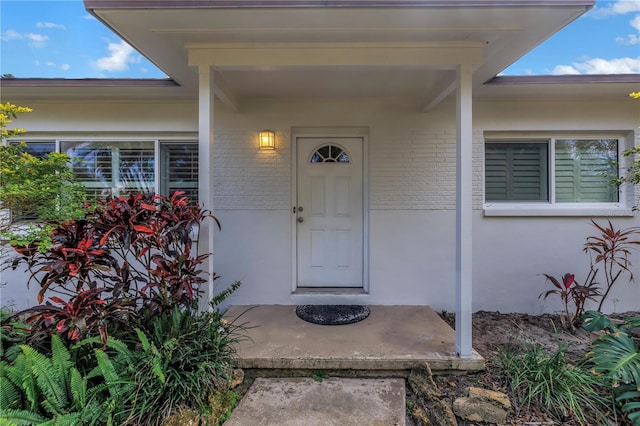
(549, 382)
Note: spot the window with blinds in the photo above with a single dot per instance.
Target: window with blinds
(581, 171)
(584, 169)
(123, 167)
(113, 168)
(37, 149)
(179, 169)
(516, 171)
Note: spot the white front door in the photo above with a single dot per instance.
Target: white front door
(329, 212)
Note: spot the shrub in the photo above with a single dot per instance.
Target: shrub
(130, 257)
(129, 282)
(610, 248)
(616, 358)
(13, 332)
(183, 358)
(37, 388)
(571, 292)
(38, 188)
(561, 389)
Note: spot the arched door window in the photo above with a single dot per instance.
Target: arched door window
(330, 154)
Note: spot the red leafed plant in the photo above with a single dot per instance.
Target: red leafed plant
(612, 248)
(571, 292)
(130, 257)
(76, 319)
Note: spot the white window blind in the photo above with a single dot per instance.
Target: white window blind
(179, 171)
(116, 168)
(516, 171)
(584, 169)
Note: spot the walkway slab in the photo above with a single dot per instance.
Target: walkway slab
(332, 402)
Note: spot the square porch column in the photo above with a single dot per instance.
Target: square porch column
(464, 200)
(206, 98)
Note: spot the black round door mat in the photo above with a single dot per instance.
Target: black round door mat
(332, 314)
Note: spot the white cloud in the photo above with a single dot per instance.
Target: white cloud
(601, 66)
(625, 6)
(629, 41)
(121, 55)
(65, 67)
(619, 7)
(37, 40)
(50, 64)
(50, 25)
(11, 35)
(631, 38)
(564, 69)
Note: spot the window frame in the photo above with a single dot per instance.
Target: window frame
(551, 207)
(545, 179)
(116, 182)
(158, 143)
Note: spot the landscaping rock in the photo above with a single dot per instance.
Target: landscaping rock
(421, 382)
(482, 405)
(183, 418)
(498, 398)
(221, 403)
(441, 414)
(237, 378)
(419, 415)
(433, 409)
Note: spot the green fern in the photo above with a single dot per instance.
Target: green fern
(50, 380)
(61, 363)
(156, 357)
(20, 375)
(112, 343)
(52, 390)
(78, 388)
(11, 417)
(9, 393)
(223, 295)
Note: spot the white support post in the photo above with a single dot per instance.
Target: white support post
(464, 181)
(206, 89)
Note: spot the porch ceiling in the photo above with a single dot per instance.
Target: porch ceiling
(502, 30)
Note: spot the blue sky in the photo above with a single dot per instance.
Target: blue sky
(60, 39)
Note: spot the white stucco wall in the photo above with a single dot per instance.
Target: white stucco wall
(411, 172)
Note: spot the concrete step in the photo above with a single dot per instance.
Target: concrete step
(388, 343)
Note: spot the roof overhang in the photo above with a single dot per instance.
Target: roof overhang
(535, 88)
(341, 48)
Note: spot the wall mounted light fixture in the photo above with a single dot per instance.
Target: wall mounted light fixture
(267, 139)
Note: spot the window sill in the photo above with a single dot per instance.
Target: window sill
(548, 210)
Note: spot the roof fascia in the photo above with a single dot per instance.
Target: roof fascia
(147, 82)
(88, 82)
(506, 80)
(236, 4)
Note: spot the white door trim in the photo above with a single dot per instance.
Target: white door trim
(361, 132)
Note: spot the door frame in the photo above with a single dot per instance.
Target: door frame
(348, 132)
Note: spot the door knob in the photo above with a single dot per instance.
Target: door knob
(300, 209)
(300, 219)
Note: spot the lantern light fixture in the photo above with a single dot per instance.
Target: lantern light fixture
(267, 139)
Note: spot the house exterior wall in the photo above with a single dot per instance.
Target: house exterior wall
(411, 189)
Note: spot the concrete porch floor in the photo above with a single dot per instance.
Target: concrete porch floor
(391, 341)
